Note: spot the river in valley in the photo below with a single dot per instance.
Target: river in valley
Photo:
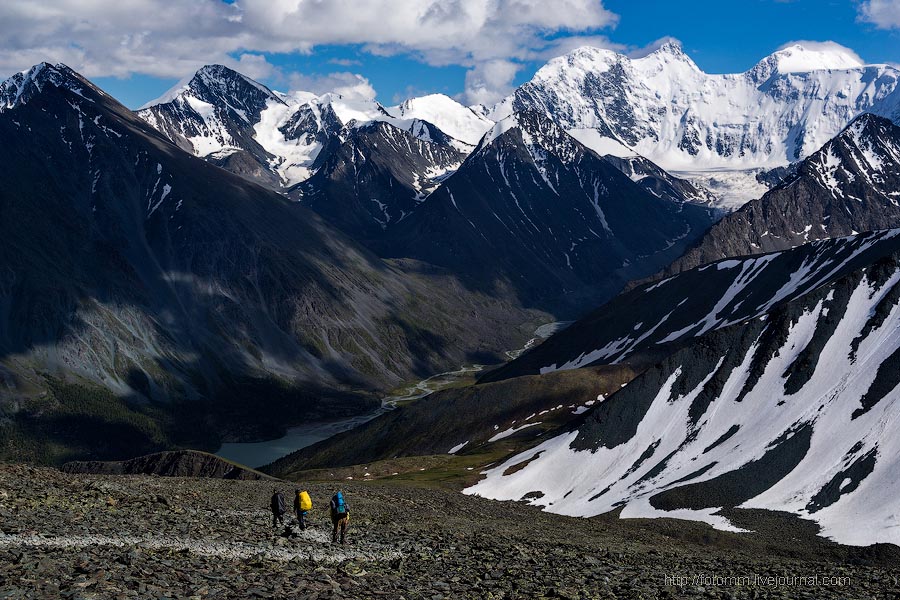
(257, 454)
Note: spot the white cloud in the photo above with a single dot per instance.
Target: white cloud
(345, 62)
(346, 84)
(253, 65)
(884, 14)
(170, 38)
(490, 81)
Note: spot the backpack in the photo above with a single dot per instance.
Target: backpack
(305, 500)
(340, 507)
(278, 503)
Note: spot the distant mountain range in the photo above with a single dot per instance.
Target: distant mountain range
(229, 259)
(532, 205)
(663, 107)
(146, 290)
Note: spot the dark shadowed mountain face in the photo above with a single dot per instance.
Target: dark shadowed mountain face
(130, 266)
(644, 324)
(793, 410)
(852, 184)
(658, 182)
(376, 178)
(534, 207)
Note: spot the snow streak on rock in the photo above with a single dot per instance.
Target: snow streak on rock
(795, 410)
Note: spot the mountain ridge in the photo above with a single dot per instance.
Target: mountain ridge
(787, 411)
(849, 185)
(648, 105)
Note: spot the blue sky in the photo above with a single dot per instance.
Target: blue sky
(139, 49)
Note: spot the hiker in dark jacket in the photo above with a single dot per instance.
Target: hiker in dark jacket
(278, 508)
(340, 516)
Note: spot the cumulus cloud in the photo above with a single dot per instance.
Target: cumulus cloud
(489, 81)
(169, 38)
(884, 14)
(253, 65)
(346, 84)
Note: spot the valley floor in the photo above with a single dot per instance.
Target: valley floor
(80, 536)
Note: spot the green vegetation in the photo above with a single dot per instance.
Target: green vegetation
(78, 420)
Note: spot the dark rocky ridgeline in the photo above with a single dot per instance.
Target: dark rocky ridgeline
(534, 207)
(659, 182)
(377, 177)
(461, 419)
(148, 296)
(175, 463)
(109, 536)
(645, 324)
(850, 185)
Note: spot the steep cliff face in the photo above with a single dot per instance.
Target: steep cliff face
(534, 207)
(376, 178)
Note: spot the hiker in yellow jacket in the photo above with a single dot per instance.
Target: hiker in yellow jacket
(302, 506)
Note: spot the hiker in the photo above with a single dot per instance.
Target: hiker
(278, 508)
(302, 506)
(340, 516)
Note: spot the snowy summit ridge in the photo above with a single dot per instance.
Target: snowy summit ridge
(663, 107)
(23, 86)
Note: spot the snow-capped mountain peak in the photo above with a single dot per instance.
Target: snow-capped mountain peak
(278, 138)
(212, 112)
(866, 153)
(805, 58)
(663, 107)
(668, 56)
(212, 84)
(538, 133)
(451, 117)
(23, 86)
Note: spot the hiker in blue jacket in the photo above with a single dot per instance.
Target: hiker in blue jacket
(340, 516)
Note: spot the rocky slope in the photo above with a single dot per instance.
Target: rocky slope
(376, 178)
(663, 107)
(140, 282)
(467, 419)
(534, 207)
(794, 409)
(181, 463)
(108, 536)
(851, 184)
(646, 323)
(659, 182)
